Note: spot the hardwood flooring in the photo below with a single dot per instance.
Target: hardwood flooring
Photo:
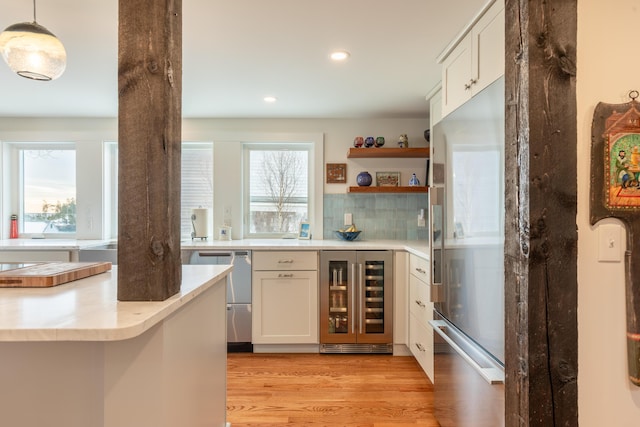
(327, 390)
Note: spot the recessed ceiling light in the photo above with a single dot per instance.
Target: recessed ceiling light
(270, 99)
(340, 55)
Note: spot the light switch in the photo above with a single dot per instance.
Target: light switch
(609, 243)
(348, 219)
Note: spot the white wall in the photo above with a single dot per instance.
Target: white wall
(338, 138)
(608, 68)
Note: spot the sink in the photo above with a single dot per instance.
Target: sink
(102, 253)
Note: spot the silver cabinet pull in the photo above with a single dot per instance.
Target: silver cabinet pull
(353, 298)
(421, 271)
(286, 276)
(420, 347)
(420, 303)
(285, 261)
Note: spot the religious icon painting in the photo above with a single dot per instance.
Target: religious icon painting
(620, 138)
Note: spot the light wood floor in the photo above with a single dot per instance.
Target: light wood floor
(327, 390)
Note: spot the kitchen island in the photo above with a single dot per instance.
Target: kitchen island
(74, 356)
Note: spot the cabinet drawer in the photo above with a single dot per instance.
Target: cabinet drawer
(421, 344)
(419, 267)
(419, 303)
(289, 260)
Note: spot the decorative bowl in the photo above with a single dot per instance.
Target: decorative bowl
(348, 235)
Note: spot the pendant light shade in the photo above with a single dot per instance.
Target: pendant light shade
(32, 51)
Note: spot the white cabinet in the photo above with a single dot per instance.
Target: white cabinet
(285, 297)
(476, 61)
(38, 256)
(420, 312)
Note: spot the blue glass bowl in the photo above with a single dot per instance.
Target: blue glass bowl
(348, 235)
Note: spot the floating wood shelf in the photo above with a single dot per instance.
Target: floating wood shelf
(373, 152)
(388, 189)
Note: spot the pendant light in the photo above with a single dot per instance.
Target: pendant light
(32, 51)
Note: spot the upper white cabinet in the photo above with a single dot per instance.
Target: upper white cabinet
(475, 59)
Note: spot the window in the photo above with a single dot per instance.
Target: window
(277, 177)
(48, 190)
(197, 181)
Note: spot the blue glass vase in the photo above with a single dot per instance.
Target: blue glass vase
(364, 179)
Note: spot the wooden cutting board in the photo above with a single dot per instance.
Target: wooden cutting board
(50, 274)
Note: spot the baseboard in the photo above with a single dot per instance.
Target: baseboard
(286, 348)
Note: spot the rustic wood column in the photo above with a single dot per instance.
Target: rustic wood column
(149, 137)
(541, 206)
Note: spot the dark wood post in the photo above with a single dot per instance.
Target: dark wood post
(149, 137)
(541, 205)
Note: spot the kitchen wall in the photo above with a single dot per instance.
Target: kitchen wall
(607, 70)
(379, 216)
(338, 135)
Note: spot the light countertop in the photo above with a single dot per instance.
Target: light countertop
(88, 309)
(420, 248)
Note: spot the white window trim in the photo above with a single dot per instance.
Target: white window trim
(274, 146)
(12, 194)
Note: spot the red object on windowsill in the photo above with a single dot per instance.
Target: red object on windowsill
(14, 227)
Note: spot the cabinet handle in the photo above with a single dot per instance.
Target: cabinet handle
(353, 298)
(360, 308)
(285, 261)
(467, 86)
(288, 276)
(472, 82)
(420, 303)
(420, 347)
(421, 271)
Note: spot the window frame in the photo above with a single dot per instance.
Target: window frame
(13, 173)
(247, 147)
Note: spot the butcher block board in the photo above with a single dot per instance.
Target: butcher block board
(48, 274)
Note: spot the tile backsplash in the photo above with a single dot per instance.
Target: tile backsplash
(379, 216)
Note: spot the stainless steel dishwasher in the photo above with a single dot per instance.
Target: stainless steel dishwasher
(238, 292)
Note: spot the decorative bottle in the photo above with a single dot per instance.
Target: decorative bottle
(414, 181)
(14, 227)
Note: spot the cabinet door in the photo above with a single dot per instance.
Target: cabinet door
(456, 76)
(338, 282)
(488, 48)
(285, 307)
(375, 297)
(421, 344)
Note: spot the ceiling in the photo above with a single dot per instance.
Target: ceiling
(236, 52)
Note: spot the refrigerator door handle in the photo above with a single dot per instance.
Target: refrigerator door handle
(436, 242)
(490, 375)
(353, 298)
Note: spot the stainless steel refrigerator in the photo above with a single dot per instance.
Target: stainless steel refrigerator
(467, 253)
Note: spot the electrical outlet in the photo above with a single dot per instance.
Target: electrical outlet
(348, 219)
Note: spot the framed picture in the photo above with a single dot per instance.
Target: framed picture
(336, 173)
(305, 231)
(387, 179)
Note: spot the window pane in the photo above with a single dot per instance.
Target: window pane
(278, 190)
(49, 191)
(197, 182)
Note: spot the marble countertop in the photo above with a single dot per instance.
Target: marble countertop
(88, 309)
(420, 248)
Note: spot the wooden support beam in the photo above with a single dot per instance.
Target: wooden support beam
(541, 205)
(149, 137)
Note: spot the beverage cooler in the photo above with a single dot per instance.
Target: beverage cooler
(356, 300)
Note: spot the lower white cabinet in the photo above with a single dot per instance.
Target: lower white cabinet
(420, 312)
(284, 302)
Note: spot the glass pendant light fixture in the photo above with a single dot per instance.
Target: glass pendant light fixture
(32, 51)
